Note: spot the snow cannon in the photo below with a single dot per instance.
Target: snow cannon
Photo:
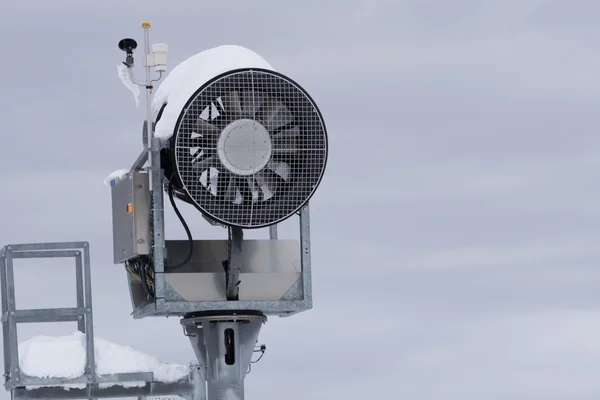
(243, 144)
(246, 146)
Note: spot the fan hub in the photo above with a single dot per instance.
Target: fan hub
(244, 147)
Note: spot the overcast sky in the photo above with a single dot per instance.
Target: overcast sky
(455, 236)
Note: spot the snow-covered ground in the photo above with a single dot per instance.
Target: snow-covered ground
(64, 357)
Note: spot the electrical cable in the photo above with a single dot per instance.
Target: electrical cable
(261, 350)
(258, 359)
(145, 283)
(138, 270)
(185, 226)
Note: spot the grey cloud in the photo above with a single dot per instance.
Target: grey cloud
(453, 235)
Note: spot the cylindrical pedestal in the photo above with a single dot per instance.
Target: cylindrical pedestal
(225, 344)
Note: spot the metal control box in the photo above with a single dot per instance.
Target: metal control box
(131, 216)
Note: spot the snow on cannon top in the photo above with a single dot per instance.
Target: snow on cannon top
(185, 79)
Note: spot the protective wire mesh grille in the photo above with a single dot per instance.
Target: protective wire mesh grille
(250, 148)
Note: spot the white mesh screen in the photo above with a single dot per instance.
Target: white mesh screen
(250, 148)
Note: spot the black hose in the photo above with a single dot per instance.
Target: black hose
(185, 226)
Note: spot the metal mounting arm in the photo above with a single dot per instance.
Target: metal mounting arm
(234, 265)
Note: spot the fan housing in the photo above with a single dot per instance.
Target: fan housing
(249, 148)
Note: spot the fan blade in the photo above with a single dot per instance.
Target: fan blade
(206, 129)
(206, 136)
(213, 176)
(266, 183)
(251, 102)
(214, 111)
(205, 114)
(275, 115)
(286, 141)
(254, 190)
(242, 191)
(204, 178)
(203, 164)
(280, 169)
(195, 151)
(232, 189)
(239, 199)
(231, 103)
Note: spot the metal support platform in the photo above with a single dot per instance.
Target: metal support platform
(90, 385)
(170, 301)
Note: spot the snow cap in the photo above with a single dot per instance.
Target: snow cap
(188, 76)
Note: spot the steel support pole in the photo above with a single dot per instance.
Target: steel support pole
(225, 344)
(198, 372)
(155, 179)
(273, 234)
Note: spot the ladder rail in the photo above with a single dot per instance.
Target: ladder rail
(11, 316)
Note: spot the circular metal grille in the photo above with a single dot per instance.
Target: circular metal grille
(250, 148)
